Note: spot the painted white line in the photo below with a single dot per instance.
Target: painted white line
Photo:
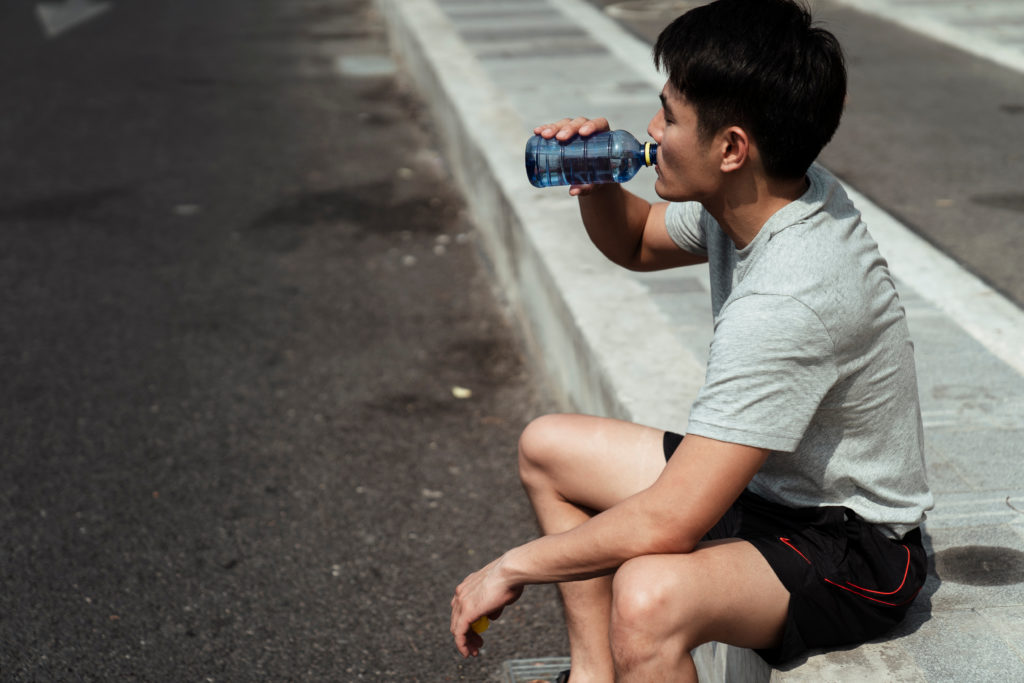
(365, 66)
(58, 17)
(647, 9)
(940, 22)
(631, 50)
(993, 320)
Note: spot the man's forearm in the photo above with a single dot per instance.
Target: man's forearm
(698, 485)
(615, 220)
(599, 546)
(694, 490)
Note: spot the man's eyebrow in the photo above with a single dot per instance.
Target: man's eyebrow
(664, 103)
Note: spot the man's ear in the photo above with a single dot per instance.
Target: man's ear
(735, 145)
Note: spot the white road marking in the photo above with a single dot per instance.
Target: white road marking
(990, 29)
(365, 66)
(58, 17)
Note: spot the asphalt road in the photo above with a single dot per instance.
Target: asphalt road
(237, 294)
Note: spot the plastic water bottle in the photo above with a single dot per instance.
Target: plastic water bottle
(606, 157)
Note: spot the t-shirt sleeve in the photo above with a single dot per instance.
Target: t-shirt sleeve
(683, 222)
(772, 362)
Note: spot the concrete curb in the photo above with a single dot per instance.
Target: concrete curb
(579, 311)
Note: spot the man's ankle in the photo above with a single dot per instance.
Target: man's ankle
(582, 674)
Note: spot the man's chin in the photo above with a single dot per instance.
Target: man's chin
(665, 192)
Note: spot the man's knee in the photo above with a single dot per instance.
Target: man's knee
(638, 595)
(648, 611)
(537, 446)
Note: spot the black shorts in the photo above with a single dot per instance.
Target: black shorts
(848, 582)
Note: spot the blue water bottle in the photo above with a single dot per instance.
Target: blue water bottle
(606, 157)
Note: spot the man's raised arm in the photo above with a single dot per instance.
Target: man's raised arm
(627, 229)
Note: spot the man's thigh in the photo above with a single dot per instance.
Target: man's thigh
(723, 591)
(594, 462)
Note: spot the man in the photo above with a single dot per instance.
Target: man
(787, 518)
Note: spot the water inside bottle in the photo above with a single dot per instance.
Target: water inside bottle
(580, 161)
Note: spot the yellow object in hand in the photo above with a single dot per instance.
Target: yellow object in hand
(481, 624)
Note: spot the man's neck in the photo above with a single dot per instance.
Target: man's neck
(748, 201)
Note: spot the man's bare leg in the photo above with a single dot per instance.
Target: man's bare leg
(572, 467)
(666, 605)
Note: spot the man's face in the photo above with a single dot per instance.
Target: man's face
(687, 170)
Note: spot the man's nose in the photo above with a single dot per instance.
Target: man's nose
(657, 126)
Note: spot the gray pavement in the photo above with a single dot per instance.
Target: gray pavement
(633, 346)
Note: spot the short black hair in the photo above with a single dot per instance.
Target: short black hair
(762, 65)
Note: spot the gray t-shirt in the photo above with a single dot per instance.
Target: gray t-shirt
(811, 358)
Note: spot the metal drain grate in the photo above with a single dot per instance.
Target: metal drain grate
(539, 670)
